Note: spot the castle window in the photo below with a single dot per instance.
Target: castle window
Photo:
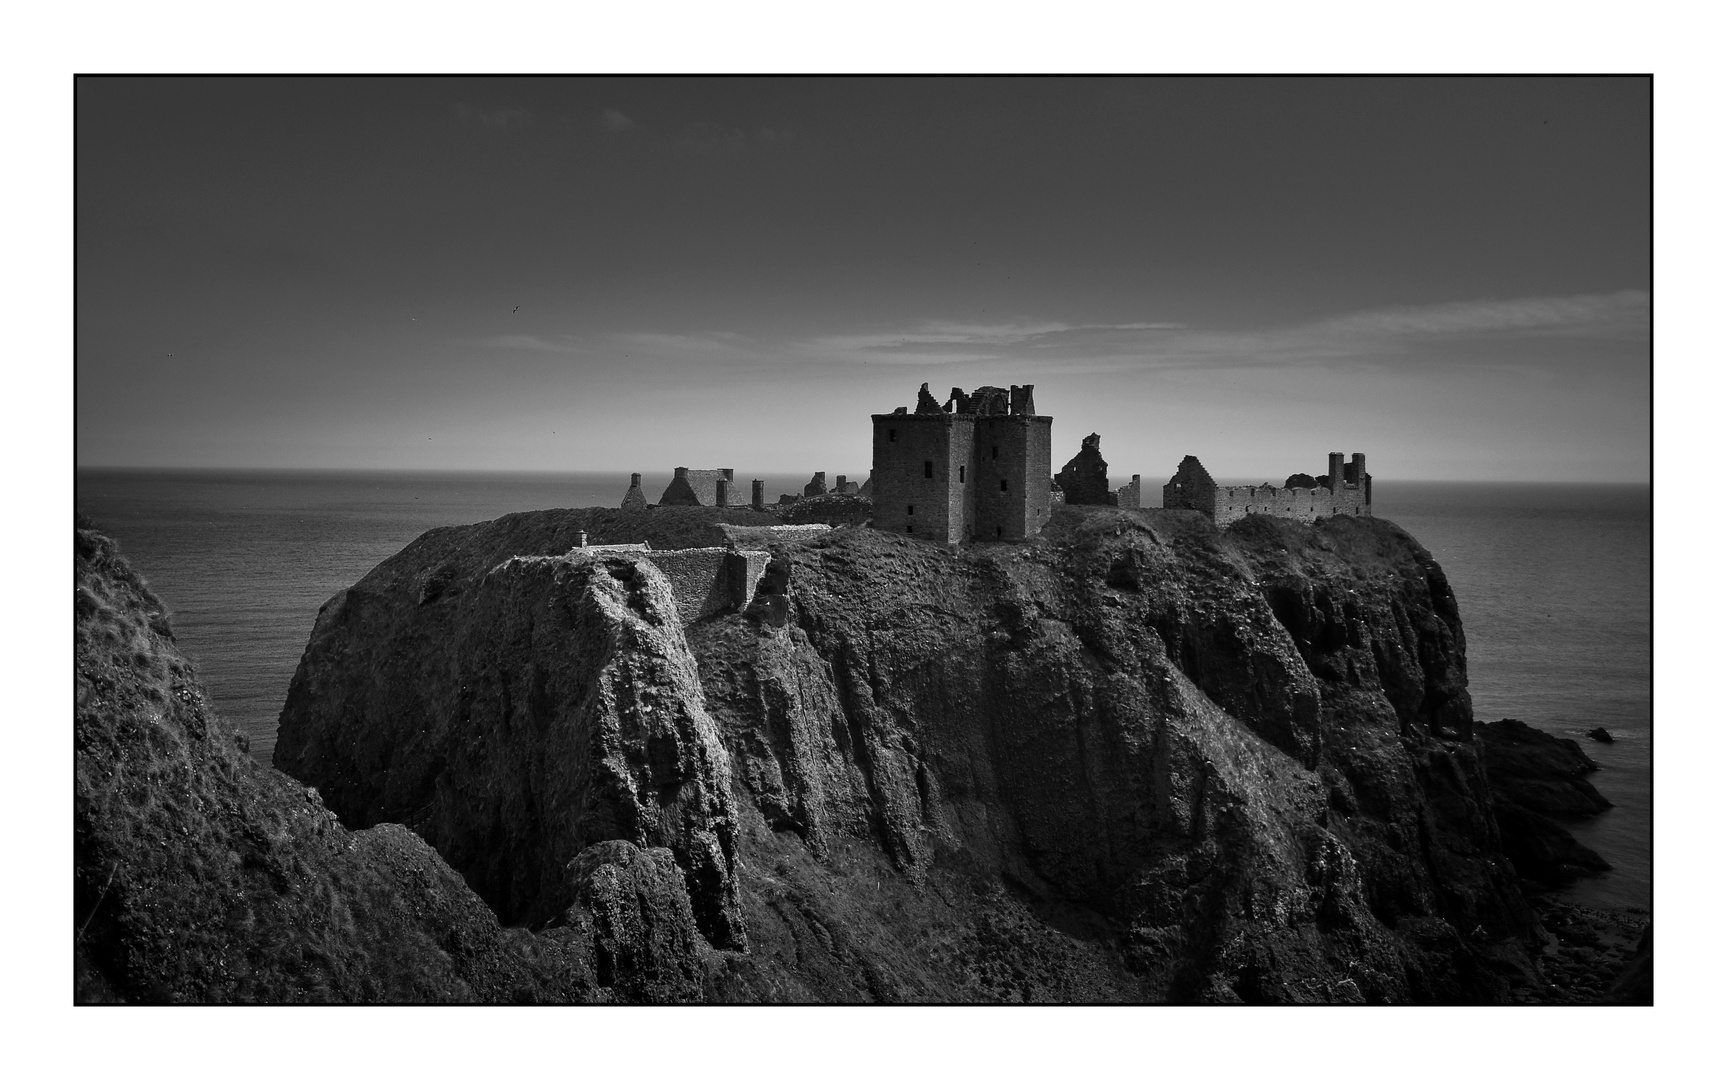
(994, 452)
(892, 434)
(1004, 486)
(908, 528)
(910, 509)
(998, 531)
(929, 470)
(962, 474)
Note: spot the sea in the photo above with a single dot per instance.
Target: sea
(1554, 583)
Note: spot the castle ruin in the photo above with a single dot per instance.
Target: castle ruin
(698, 487)
(1347, 488)
(976, 468)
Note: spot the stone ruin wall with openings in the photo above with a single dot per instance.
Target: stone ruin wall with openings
(976, 468)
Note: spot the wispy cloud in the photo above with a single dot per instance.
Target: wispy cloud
(534, 343)
(1626, 311)
(1382, 337)
(613, 120)
(1474, 333)
(496, 119)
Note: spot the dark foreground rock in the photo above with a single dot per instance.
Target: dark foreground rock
(1139, 759)
(1591, 955)
(201, 876)
(1540, 771)
(1539, 780)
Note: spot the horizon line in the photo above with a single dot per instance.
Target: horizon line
(411, 471)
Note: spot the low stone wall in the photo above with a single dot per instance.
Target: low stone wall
(755, 536)
(1297, 504)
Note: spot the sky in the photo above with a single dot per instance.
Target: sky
(1452, 276)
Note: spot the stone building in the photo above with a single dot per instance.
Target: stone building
(1127, 495)
(634, 499)
(699, 487)
(974, 468)
(1084, 480)
(1347, 488)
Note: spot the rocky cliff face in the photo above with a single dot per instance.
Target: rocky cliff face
(1139, 759)
(201, 876)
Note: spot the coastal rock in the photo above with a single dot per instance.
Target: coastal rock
(1139, 758)
(1635, 985)
(544, 703)
(1535, 775)
(1600, 735)
(201, 876)
(1539, 771)
(633, 906)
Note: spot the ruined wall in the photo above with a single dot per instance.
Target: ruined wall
(705, 581)
(909, 498)
(760, 536)
(1191, 488)
(1346, 489)
(959, 480)
(977, 469)
(1011, 500)
(694, 487)
(1296, 504)
(1084, 479)
(1127, 495)
(634, 499)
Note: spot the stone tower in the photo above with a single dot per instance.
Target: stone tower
(976, 468)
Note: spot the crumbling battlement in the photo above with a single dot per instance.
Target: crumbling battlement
(1347, 488)
(975, 468)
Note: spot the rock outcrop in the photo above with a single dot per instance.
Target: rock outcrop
(1536, 778)
(201, 876)
(1138, 759)
(534, 707)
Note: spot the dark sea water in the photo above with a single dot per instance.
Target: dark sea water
(1554, 583)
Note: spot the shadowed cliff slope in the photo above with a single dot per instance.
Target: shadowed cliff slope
(1139, 759)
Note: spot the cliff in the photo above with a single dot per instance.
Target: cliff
(1137, 759)
(201, 876)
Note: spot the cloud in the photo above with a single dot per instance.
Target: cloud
(497, 119)
(533, 343)
(1482, 333)
(1621, 311)
(613, 120)
(1382, 337)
